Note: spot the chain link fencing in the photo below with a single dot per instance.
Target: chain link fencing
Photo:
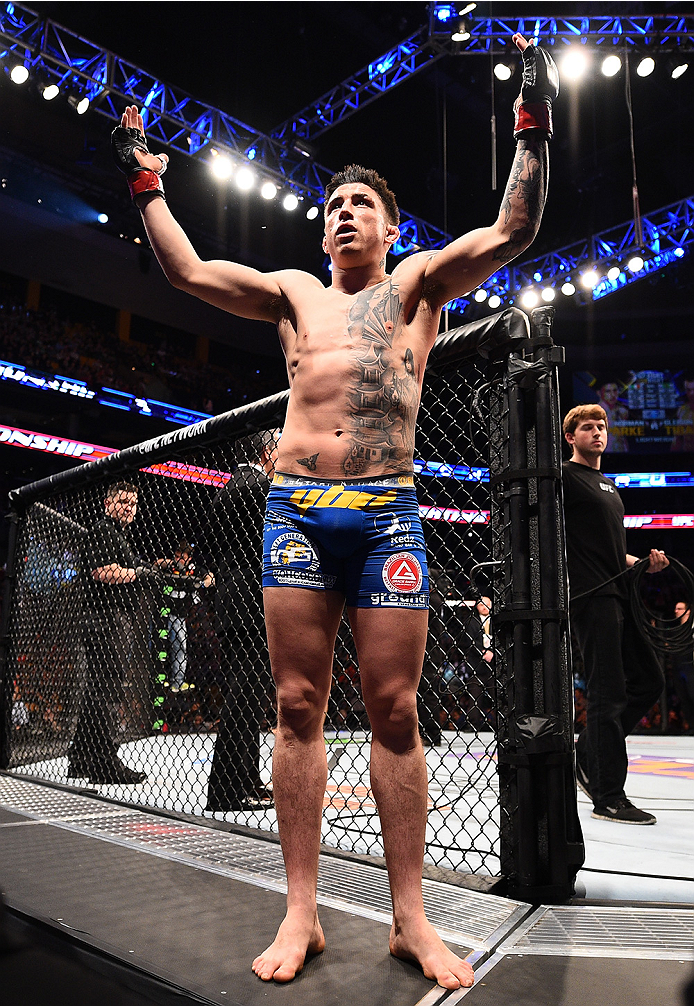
(156, 689)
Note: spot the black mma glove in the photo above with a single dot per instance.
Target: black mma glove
(540, 87)
(125, 140)
(147, 572)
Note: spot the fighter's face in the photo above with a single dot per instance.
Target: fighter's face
(609, 394)
(356, 227)
(589, 438)
(122, 507)
(681, 609)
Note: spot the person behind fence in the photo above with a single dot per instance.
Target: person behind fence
(110, 570)
(235, 782)
(356, 353)
(623, 676)
(683, 670)
(182, 597)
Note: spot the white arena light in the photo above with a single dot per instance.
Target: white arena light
(678, 70)
(502, 72)
(290, 202)
(646, 67)
(590, 279)
(102, 218)
(548, 294)
(568, 289)
(574, 64)
(494, 301)
(245, 179)
(222, 167)
(530, 299)
(50, 92)
(635, 264)
(19, 74)
(80, 105)
(613, 273)
(611, 65)
(312, 212)
(268, 190)
(480, 295)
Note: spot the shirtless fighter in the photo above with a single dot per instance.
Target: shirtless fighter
(356, 353)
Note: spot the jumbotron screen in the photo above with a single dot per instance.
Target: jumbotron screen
(648, 411)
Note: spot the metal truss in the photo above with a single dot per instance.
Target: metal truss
(662, 31)
(176, 119)
(666, 236)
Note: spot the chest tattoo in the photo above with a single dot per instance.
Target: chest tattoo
(382, 386)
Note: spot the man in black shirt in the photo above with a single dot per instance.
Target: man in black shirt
(623, 677)
(235, 782)
(110, 569)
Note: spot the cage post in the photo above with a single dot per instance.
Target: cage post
(541, 847)
(6, 682)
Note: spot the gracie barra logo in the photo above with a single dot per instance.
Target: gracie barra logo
(402, 572)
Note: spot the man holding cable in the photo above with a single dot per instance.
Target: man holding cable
(623, 676)
(356, 353)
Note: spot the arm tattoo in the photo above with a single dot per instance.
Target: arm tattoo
(524, 198)
(383, 389)
(309, 463)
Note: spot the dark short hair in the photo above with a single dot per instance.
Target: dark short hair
(581, 412)
(120, 487)
(353, 174)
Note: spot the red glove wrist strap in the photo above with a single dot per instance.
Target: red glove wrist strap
(533, 115)
(145, 181)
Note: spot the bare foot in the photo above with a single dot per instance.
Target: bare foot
(418, 941)
(297, 937)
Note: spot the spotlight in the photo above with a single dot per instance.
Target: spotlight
(19, 74)
(461, 34)
(245, 179)
(613, 274)
(678, 252)
(49, 91)
(635, 264)
(502, 72)
(611, 65)
(537, 276)
(102, 218)
(646, 67)
(467, 9)
(290, 202)
(312, 212)
(678, 70)
(268, 190)
(530, 299)
(568, 289)
(494, 301)
(480, 295)
(548, 294)
(589, 279)
(574, 64)
(222, 167)
(80, 105)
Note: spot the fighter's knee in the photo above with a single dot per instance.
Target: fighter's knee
(299, 710)
(394, 722)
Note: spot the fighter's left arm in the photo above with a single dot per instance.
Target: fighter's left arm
(469, 260)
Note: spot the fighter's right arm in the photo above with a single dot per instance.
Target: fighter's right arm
(228, 285)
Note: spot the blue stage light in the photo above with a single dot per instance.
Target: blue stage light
(102, 218)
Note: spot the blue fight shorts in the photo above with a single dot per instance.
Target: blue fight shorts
(363, 539)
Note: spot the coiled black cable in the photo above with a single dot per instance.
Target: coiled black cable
(668, 635)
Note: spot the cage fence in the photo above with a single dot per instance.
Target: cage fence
(157, 690)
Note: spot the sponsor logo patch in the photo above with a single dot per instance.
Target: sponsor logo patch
(402, 572)
(295, 550)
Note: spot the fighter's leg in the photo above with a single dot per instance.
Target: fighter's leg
(301, 629)
(390, 645)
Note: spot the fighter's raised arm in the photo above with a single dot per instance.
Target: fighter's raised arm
(228, 285)
(469, 260)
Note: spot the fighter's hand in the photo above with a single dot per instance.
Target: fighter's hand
(132, 156)
(539, 88)
(658, 561)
